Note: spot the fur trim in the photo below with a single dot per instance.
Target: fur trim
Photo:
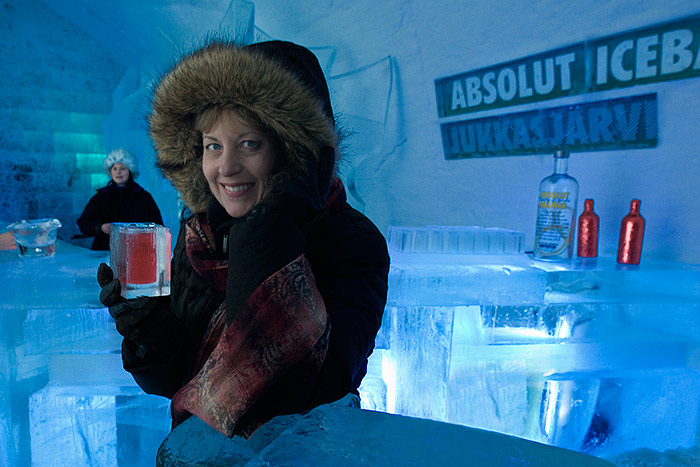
(125, 157)
(224, 74)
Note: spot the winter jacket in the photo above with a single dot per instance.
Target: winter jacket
(115, 204)
(350, 263)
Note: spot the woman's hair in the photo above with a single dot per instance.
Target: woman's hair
(205, 120)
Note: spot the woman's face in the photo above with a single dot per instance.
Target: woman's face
(119, 174)
(237, 161)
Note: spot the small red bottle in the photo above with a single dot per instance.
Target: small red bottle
(629, 250)
(587, 245)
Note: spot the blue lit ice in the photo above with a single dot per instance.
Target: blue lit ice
(588, 356)
(64, 396)
(592, 358)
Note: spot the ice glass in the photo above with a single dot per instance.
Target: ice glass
(35, 237)
(140, 258)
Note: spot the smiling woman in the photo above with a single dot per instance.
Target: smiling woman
(238, 161)
(278, 285)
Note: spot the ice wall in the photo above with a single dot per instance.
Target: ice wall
(56, 92)
(382, 59)
(410, 182)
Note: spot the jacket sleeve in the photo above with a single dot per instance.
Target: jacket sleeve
(89, 221)
(351, 269)
(350, 265)
(154, 358)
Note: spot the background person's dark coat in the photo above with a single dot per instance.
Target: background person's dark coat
(115, 204)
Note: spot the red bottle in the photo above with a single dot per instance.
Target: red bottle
(587, 246)
(629, 250)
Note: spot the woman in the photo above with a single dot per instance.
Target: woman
(278, 285)
(122, 200)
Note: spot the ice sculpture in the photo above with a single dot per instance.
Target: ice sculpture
(593, 357)
(365, 100)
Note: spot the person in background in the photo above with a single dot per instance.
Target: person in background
(122, 200)
(278, 285)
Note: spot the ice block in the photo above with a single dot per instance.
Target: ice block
(140, 258)
(571, 354)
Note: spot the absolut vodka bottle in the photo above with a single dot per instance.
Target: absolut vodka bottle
(556, 212)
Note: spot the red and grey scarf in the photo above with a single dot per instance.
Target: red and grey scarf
(279, 336)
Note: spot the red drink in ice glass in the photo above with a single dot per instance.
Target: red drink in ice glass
(142, 258)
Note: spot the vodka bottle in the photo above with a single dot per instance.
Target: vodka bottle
(556, 212)
(629, 249)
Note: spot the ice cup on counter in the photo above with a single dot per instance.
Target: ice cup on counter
(140, 258)
(35, 237)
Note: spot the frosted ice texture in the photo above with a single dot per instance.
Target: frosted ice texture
(96, 425)
(569, 354)
(590, 357)
(64, 397)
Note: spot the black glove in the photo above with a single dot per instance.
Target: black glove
(271, 235)
(142, 320)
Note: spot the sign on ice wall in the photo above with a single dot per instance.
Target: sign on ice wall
(658, 53)
(609, 124)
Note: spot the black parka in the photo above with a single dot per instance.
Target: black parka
(349, 259)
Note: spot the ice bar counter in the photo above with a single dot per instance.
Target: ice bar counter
(65, 399)
(587, 356)
(591, 356)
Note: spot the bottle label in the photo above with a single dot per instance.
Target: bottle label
(554, 224)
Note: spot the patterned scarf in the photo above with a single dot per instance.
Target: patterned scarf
(250, 370)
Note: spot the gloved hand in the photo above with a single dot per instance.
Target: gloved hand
(140, 320)
(272, 235)
(300, 193)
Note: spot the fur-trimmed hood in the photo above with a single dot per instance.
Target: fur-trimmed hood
(280, 83)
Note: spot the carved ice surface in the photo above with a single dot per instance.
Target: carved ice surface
(101, 425)
(64, 397)
(591, 357)
(569, 354)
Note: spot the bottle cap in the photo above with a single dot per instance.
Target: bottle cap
(561, 154)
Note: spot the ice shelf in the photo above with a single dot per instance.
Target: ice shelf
(592, 357)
